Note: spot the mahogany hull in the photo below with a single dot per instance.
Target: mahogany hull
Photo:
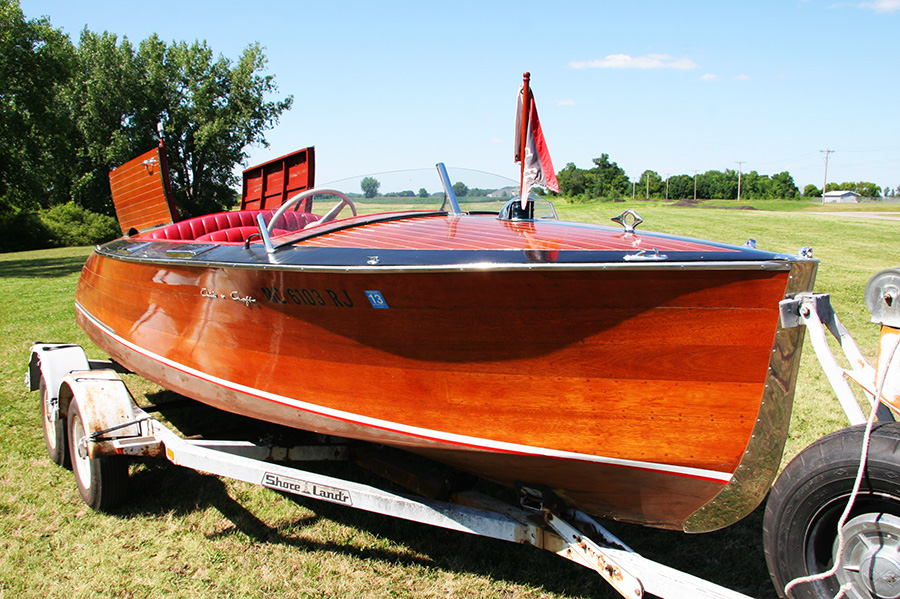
(633, 391)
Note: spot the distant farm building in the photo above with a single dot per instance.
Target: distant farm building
(841, 197)
(506, 192)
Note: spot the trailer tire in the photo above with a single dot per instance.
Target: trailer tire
(102, 480)
(805, 506)
(55, 436)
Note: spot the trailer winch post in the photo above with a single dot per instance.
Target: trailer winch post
(814, 311)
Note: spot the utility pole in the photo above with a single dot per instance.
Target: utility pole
(695, 185)
(827, 153)
(739, 163)
(667, 187)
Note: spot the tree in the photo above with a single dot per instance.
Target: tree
(607, 179)
(811, 191)
(755, 186)
(370, 186)
(423, 193)
(211, 108)
(718, 185)
(35, 61)
(681, 187)
(215, 110)
(460, 189)
(783, 186)
(102, 97)
(868, 189)
(863, 188)
(572, 180)
(651, 185)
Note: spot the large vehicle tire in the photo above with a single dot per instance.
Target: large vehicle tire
(101, 481)
(807, 501)
(55, 437)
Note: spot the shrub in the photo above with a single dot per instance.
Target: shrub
(21, 230)
(70, 225)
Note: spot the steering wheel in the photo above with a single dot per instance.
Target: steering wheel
(292, 202)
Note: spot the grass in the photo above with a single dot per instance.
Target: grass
(186, 534)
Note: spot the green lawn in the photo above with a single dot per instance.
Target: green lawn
(186, 534)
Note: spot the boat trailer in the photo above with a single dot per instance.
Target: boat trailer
(105, 424)
(91, 421)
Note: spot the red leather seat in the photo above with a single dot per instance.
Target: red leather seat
(232, 235)
(213, 227)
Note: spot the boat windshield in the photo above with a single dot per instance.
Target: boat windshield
(476, 192)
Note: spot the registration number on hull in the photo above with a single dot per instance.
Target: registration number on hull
(313, 297)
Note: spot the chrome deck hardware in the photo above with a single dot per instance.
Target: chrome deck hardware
(623, 219)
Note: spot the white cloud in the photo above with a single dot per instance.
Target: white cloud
(709, 77)
(880, 6)
(742, 77)
(565, 102)
(648, 61)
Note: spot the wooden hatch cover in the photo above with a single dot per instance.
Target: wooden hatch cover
(270, 184)
(142, 193)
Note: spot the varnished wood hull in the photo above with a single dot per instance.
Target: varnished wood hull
(633, 391)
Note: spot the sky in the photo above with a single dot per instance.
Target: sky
(674, 87)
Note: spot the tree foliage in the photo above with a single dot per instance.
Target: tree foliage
(811, 191)
(605, 180)
(35, 62)
(215, 109)
(101, 96)
(211, 109)
(681, 187)
(69, 114)
(369, 186)
(651, 185)
(863, 188)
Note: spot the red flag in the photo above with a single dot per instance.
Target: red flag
(537, 169)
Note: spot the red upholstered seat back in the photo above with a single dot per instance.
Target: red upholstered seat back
(191, 229)
(218, 227)
(232, 235)
(293, 221)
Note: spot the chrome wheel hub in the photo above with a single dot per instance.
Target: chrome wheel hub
(871, 556)
(81, 461)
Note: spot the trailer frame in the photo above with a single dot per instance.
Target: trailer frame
(114, 425)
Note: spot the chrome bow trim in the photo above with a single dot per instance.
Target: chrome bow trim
(762, 458)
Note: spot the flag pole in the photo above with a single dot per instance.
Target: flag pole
(526, 111)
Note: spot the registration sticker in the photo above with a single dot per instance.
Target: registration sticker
(376, 299)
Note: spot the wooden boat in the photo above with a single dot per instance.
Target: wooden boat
(638, 376)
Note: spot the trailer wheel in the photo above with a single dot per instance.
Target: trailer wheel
(102, 480)
(55, 437)
(806, 504)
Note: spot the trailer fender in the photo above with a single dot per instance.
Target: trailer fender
(106, 408)
(52, 362)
